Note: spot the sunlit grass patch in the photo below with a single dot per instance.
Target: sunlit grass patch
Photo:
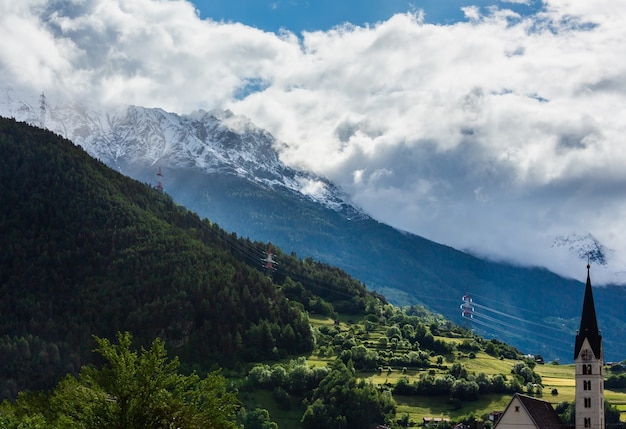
(487, 364)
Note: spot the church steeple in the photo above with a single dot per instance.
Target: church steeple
(588, 360)
(589, 324)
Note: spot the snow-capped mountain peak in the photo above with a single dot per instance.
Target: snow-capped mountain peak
(585, 247)
(210, 141)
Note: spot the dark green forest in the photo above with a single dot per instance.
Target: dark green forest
(88, 252)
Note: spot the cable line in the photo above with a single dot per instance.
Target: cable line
(515, 317)
(519, 328)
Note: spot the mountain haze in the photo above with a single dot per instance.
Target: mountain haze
(224, 168)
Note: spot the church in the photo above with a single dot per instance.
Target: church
(525, 412)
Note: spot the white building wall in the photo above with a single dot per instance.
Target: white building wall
(515, 417)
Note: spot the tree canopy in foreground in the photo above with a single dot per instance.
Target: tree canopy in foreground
(132, 390)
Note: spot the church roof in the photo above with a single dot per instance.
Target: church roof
(542, 413)
(589, 324)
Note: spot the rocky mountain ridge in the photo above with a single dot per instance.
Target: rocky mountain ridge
(132, 138)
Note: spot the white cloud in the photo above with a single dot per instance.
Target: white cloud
(497, 134)
(155, 53)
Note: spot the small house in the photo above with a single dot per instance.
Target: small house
(526, 412)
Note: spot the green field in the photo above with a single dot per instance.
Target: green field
(418, 407)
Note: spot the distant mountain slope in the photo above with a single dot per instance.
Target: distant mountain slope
(87, 251)
(224, 168)
(530, 308)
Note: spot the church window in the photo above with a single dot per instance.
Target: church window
(586, 384)
(587, 402)
(517, 408)
(587, 422)
(587, 369)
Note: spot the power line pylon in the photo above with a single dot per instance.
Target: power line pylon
(42, 110)
(159, 181)
(269, 262)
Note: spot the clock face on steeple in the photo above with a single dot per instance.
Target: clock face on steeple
(586, 354)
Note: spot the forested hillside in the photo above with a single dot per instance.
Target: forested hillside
(89, 256)
(86, 251)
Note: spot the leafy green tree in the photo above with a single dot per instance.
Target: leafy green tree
(141, 390)
(567, 412)
(260, 375)
(522, 369)
(465, 390)
(615, 381)
(499, 384)
(26, 422)
(393, 332)
(458, 370)
(343, 401)
(259, 418)
(279, 376)
(611, 414)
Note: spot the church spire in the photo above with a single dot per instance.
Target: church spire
(588, 359)
(589, 324)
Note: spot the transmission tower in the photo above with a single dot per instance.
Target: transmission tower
(42, 110)
(269, 263)
(159, 181)
(467, 308)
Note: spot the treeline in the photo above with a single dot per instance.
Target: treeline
(615, 382)
(31, 358)
(87, 251)
(333, 396)
(459, 385)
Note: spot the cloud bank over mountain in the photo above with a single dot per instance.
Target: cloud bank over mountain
(496, 134)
